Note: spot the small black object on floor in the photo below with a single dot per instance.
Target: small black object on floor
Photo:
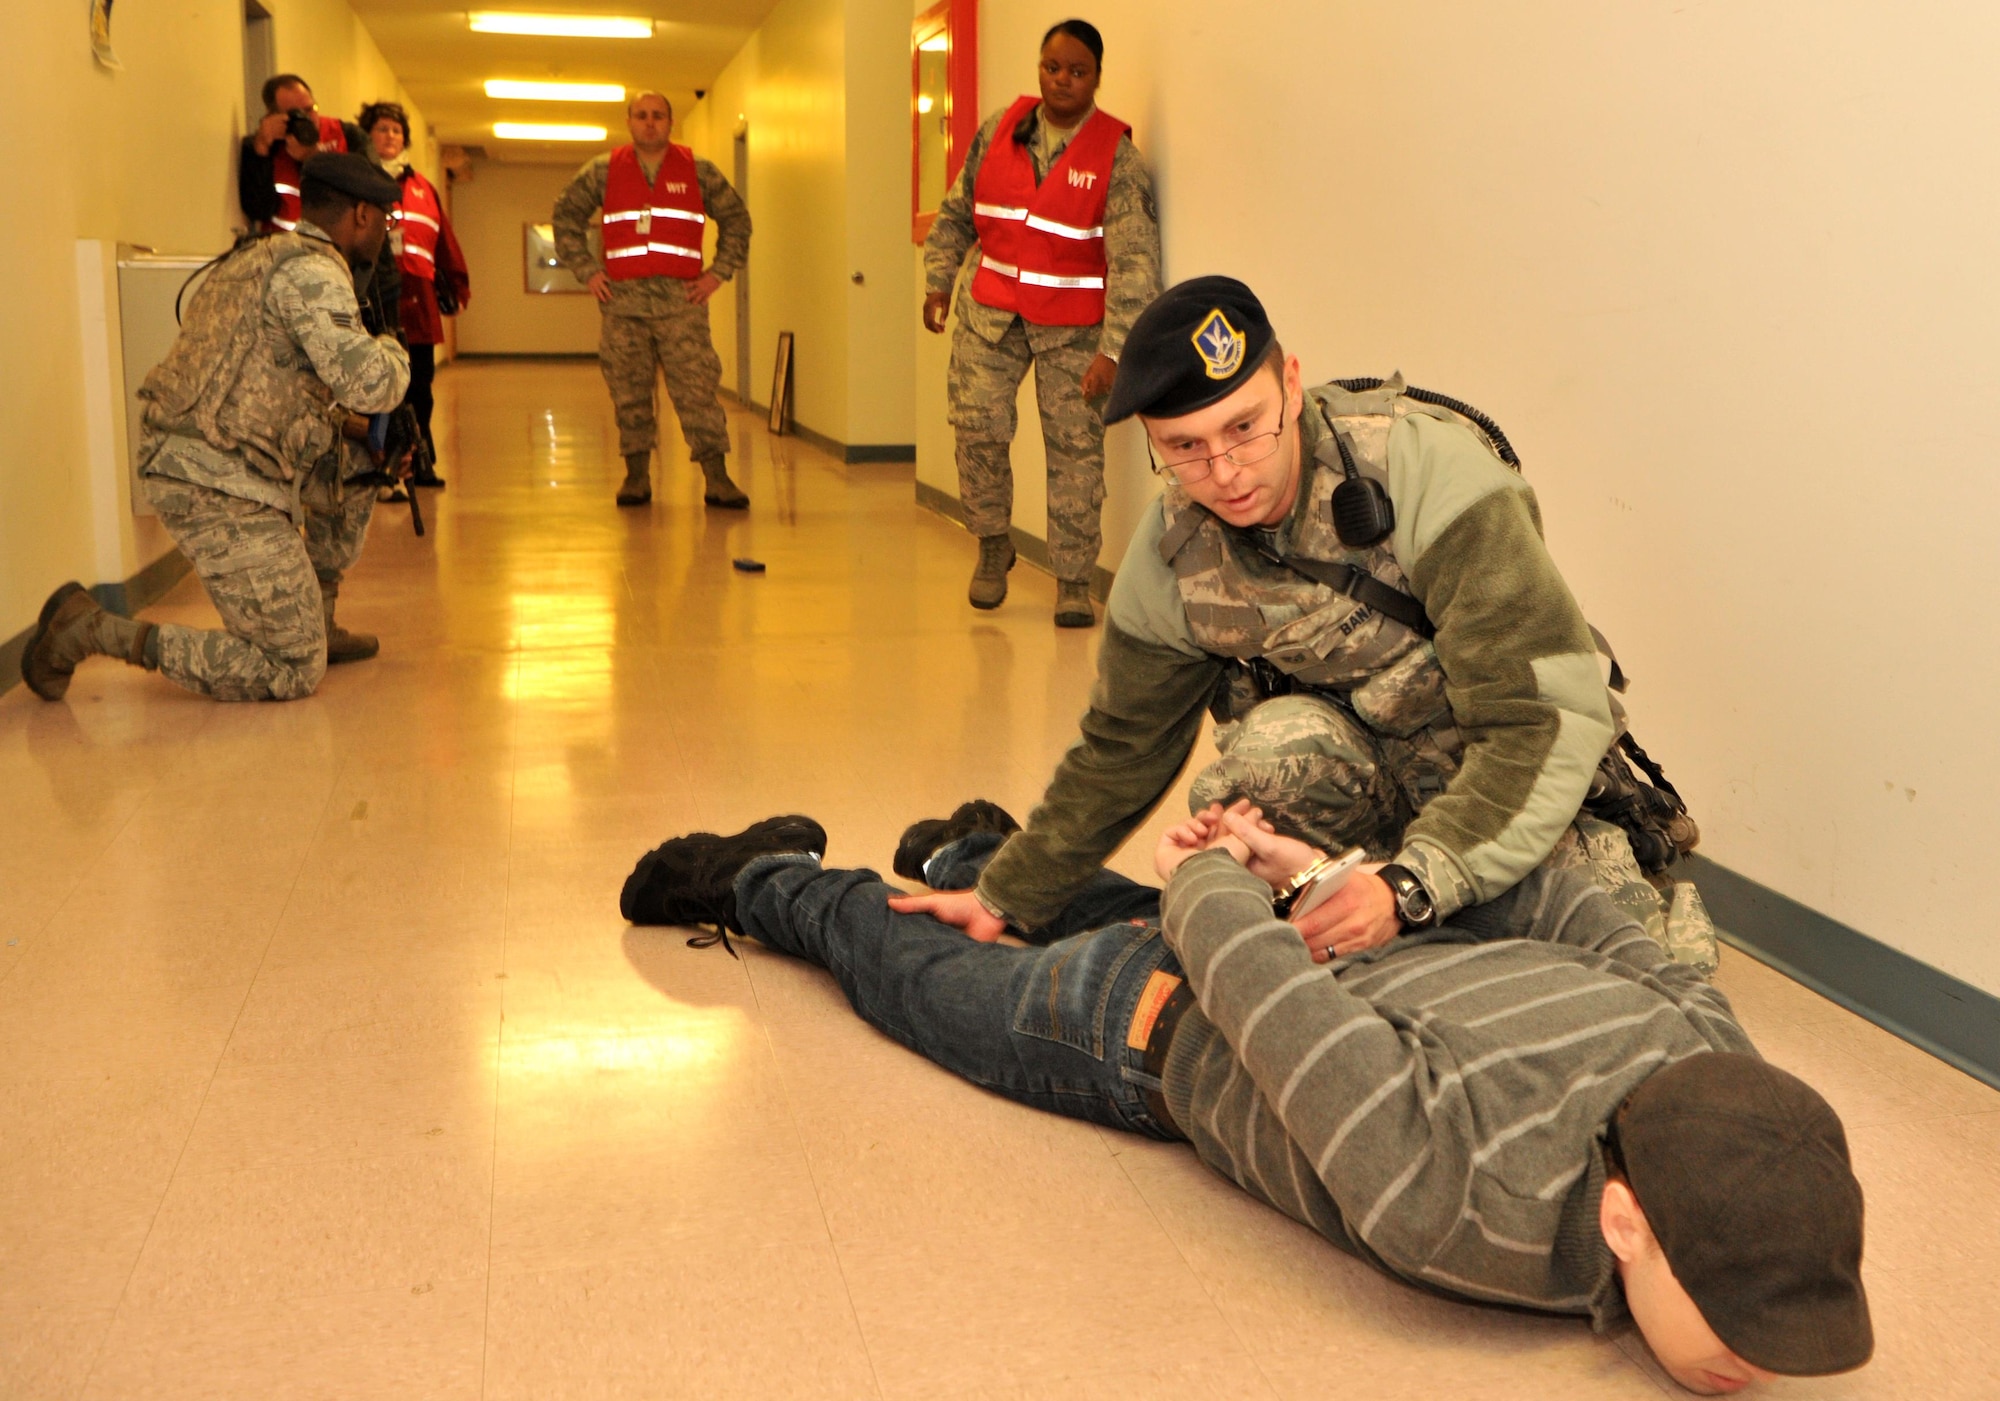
(749, 566)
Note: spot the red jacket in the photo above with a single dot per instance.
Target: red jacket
(429, 251)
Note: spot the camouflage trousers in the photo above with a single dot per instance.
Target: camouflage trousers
(985, 378)
(265, 582)
(1321, 775)
(633, 351)
(337, 518)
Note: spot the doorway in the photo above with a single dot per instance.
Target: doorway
(259, 61)
(741, 179)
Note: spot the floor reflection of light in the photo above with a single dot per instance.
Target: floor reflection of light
(565, 640)
(698, 1039)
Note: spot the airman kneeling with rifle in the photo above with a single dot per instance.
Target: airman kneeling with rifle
(244, 444)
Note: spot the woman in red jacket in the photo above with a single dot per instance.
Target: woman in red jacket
(435, 283)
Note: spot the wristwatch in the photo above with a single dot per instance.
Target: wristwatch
(1414, 905)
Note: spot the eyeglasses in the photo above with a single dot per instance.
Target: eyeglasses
(1247, 453)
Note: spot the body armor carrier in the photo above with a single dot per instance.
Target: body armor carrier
(1319, 620)
(238, 382)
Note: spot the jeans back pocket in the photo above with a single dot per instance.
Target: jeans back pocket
(1070, 984)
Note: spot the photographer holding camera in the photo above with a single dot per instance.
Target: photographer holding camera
(267, 178)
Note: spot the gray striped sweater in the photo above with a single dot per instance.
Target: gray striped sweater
(1434, 1105)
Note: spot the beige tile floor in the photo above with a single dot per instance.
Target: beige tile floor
(328, 1069)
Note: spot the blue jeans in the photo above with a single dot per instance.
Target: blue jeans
(1042, 1026)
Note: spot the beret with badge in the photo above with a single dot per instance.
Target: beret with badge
(1195, 345)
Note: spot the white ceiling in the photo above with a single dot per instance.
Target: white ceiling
(444, 65)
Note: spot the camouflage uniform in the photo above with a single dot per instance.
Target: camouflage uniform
(650, 327)
(1464, 756)
(991, 350)
(241, 446)
(1322, 776)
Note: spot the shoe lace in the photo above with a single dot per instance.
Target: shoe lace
(718, 935)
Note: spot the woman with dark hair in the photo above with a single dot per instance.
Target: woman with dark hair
(426, 255)
(1056, 205)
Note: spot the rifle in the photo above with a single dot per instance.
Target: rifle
(394, 437)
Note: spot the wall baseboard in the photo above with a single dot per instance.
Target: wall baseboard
(142, 590)
(477, 355)
(846, 452)
(1030, 548)
(1953, 1020)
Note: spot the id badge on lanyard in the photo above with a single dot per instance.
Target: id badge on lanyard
(645, 222)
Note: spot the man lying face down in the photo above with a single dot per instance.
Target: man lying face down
(1530, 1105)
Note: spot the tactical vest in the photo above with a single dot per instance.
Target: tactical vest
(238, 382)
(1242, 601)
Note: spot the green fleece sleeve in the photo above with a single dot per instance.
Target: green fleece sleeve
(1145, 714)
(1520, 668)
(1153, 685)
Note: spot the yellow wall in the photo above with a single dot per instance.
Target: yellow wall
(880, 351)
(1723, 274)
(145, 155)
(822, 89)
(504, 318)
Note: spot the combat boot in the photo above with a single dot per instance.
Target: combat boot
(989, 579)
(638, 488)
(73, 626)
(342, 645)
(720, 490)
(692, 880)
(1073, 608)
(926, 837)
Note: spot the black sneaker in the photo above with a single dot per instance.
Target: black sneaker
(691, 880)
(923, 840)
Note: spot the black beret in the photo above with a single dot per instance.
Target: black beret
(353, 175)
(1196, 344)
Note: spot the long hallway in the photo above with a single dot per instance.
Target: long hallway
(329, 1069)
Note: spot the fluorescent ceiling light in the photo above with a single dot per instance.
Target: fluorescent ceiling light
(562, 26)
(936, 44)
(555, 92)
(547, 131)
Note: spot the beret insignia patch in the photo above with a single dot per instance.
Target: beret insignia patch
(1219, 344)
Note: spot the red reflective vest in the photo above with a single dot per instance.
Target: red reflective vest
(419, 216)
(653, 231)
(285, 173)
(1041, 248)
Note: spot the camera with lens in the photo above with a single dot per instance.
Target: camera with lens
(303, 128)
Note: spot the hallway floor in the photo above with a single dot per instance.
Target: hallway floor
(329, 1069)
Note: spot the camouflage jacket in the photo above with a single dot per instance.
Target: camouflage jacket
(583, 197)
(272, 353)
(1131, 243)
(1528, 719)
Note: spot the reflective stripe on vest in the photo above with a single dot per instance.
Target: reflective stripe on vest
(1041, 246)
(418, 217)
(285, 175)
(635, 244)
